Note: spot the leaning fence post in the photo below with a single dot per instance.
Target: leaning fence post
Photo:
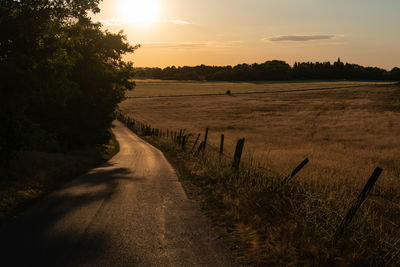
(221, 147)
(295, 171)
(195, 143)
(184, 143)
(357, 204)
(205, 139)
(238, 154)
(200, 148)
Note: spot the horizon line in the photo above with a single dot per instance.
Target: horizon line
(292, 65)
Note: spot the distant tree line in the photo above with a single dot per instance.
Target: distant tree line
(62, 76)
(274, 70)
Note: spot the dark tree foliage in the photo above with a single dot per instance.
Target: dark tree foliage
(61, 75)
(274, 70)
(395, 74)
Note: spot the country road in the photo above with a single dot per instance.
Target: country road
(131, 211)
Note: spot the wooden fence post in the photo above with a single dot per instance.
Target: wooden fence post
(221, 147)
(200, 149)
(295, 171)
(357, 204)
(180, 137)
(195, 143)
(238, 154)
(205, 139)
(184, 138)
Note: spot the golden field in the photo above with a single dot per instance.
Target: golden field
(154, 88)
(345, 131)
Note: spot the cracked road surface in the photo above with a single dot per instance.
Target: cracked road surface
(132, 211)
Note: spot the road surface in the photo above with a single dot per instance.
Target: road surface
(131, 211)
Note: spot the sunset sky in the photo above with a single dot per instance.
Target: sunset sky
(229, 32)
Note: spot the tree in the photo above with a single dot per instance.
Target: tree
(272, 70)
(395, 74)
(62, 75)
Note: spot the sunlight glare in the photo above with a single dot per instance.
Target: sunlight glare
(139, 12)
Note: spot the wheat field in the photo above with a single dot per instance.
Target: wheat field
(157, 88)
(345, 133)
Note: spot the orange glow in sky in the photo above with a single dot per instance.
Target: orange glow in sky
(229, 32)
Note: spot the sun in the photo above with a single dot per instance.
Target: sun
(139, 12)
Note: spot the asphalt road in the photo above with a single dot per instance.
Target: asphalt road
(131, 211)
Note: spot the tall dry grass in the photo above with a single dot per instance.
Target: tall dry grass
(154, 88)
(345, 133)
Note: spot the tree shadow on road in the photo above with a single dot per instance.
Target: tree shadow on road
(48, 234)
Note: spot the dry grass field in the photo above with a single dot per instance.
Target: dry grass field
(344, 132)
(152, 88)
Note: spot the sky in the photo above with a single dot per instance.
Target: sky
(230, 32)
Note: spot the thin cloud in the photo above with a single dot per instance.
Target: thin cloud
(112, 22)
(119, 22)
(181, 45)
(178, 22)
(299, 38)
(191, 45)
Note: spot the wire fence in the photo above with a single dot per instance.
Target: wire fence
(329, 219)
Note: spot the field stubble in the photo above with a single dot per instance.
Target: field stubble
(346, 133)
(162, 88)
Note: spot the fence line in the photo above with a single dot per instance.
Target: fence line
(181, 139)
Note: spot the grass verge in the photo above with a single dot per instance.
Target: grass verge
(270, 224)
(258, 225)
(35, 174)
